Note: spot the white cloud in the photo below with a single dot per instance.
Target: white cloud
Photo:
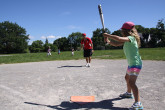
(51, 37)
(43, 37)
(31, 37)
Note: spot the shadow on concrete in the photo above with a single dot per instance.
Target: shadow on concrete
(66, 105)
(67, 66)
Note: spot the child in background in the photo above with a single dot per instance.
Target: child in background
(131, 42)
(58, 51)
(72, 52)
(49, 52)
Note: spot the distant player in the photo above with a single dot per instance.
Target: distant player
(49, 52)
(59, 51)
(131, 42)
(87, 45)
(72, 52)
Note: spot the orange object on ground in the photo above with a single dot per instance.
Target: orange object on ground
(82, 99)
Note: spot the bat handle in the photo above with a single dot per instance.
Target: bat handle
(106, 43)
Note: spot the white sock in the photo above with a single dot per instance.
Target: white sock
(129, 93)
(138, 103)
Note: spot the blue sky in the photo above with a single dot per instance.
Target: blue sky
(59, 18)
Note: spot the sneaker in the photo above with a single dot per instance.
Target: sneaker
(136, 106)
(127, 95)
(89, 65)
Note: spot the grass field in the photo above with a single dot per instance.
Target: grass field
(146, 54)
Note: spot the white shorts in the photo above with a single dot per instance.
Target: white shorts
(49, 53)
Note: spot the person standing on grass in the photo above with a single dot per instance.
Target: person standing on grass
(49, 52)
(59, 51)
(72, 52)
(131, 42)
(87, 45)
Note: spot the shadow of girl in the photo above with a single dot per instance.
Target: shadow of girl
(66, 105)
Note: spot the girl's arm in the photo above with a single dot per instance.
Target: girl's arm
(116, 38)
(114, 43)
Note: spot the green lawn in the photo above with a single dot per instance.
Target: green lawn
(146, 54)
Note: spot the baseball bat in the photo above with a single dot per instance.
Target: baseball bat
(101, 16)
(102, 20)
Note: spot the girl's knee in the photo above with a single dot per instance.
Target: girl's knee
(132, 83)
(127, 77)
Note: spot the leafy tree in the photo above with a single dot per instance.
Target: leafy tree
(140, 28)
(13, 38)
(46, 45)
(62, 43)
(157, 35)
(161, 33)
(75, 40)
(53, 47)
(160, 25)
(98, 39)
(118, 33)
(46, 41)
(37, 46)
(154, 37)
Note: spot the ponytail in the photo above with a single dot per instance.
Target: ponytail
(132, 32)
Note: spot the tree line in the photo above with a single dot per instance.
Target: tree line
(14, 39)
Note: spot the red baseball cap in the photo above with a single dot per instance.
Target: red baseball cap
(83, 34)
(128, 25)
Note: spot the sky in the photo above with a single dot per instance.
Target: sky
(54, 19)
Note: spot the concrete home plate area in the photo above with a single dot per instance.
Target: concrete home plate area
(50, 85)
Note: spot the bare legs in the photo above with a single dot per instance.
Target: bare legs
(88, 59)
(131, 85)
